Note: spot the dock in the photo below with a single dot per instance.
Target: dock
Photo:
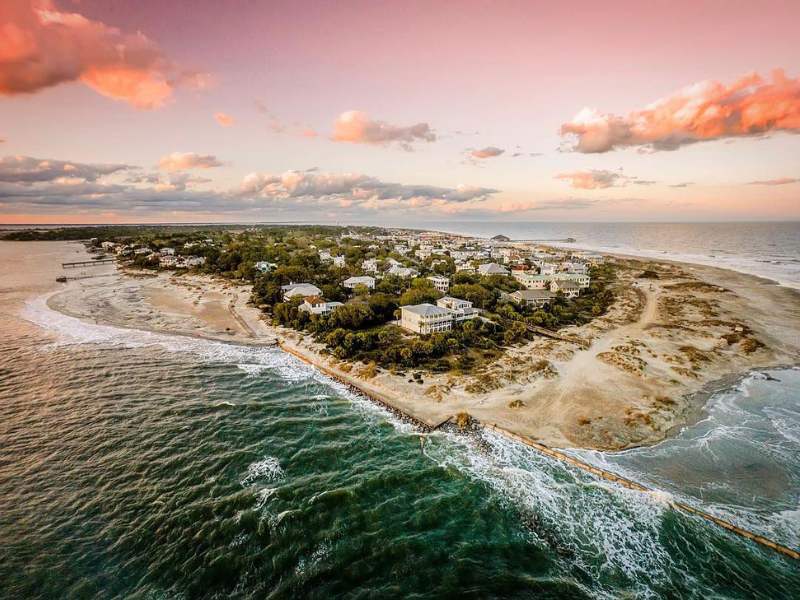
(87, 263)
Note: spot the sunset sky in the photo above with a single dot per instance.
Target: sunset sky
(398, 112)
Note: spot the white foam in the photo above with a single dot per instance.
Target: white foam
(266, 469)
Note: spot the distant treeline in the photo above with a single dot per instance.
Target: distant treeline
(122, 232)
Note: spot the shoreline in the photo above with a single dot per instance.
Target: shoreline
(617, 402)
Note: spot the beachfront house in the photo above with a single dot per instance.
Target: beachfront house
(570, 289)
(581, 279)
(352, 282)
(547, 269)
(492, 269)
(317, 305)
(535, 298)
(294, 290)
(441, 283)
(461, 310)
(531, 280)
(425, 318)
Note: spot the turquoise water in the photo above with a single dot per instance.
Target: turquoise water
(148, 466)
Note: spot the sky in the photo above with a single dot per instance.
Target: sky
(398, 112)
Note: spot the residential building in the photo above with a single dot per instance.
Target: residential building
(492, 269)
(532, 281)
(461, 310)
(425, 318)
(547, 269)
(370, 265)
(535, 298)
(167, 260)
(168, 252)
(194, 261)
(352, 282)
(583, 281)
(318, 306)
(338, 261)
(441, 283)
(570, 289)
(300, 289)
(404, 272)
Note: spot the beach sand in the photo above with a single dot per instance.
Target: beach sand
(653, 359)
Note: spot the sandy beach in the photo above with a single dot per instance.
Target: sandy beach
(651, 362)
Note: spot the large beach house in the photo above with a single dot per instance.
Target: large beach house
(425, 318)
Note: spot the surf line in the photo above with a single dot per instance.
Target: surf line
(554, 453)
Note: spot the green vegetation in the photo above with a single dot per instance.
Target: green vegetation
(362, 329)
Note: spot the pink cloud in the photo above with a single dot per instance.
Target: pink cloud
(41, 47)
(357, 127)
(701, 112)
(181, 161)
(223, 119)
(487, 152)
(779, 181)
(594, 179)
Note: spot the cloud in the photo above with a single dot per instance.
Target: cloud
(355, 189)
(41, 47)
(181, 161)
(682, 184)
(591, 180)
(487, 152)
(223, 119)
(357, 127)
(28, 170)
(705, 111)
(780, 181)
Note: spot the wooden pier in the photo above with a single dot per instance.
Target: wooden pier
(87, 263)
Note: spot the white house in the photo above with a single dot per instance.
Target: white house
(142, 250)
(425, 318)
(404, 272)
(423, 253)
(194, 261)
(441, 283)
(582, 280)
(352, 282)
(300, 289)
(461, 310)
(492, 269)
(547, 269)
(167, 260)
(570, 289)
(168, 252)
(338, 261)
(575, 267)
(533, 281)
(318, 306)
(532, 297)
(325, 255)
(370, 265)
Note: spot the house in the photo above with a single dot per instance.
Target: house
(168, 252)
(325, 255)
(108, 246)
(264, 266)
(142, 250)
(370, 265)
(425, 318)
(352, 282)
(404, 272)
(575, 267)
(318, 306)
(535, 298)
(441, 283)
(423, 253)
(294, 290)
(167, 260)
(547, 269)
(532, 281)
(461, 310)
(338, 261)
(570, 289)
(582, 280)
(492, 269)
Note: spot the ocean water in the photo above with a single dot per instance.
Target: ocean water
(139, 465)
(770, 250)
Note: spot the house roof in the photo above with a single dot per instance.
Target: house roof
(425, 309)
(533, 294)
(492, 268)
